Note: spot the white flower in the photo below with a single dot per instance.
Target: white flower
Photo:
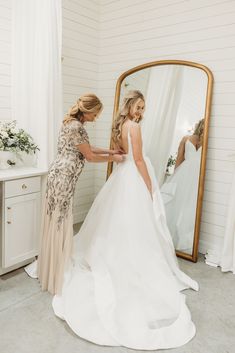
(14, 139)
(4, 134)
(14, 130)
(10, 142)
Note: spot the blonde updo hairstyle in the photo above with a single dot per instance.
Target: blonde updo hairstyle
(87, 103)
(199, 129)
(130, 98)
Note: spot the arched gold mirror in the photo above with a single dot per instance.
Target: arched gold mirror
(175, 136)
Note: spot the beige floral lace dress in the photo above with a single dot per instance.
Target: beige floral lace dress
(57, 218)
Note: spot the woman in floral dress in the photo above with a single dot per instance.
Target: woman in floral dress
(57, 218)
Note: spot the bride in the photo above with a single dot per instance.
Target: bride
(123, 286)
(180, 191)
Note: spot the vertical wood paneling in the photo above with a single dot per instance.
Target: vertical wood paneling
(5, 60)
(80, 49)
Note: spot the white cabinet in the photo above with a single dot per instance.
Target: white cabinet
(21, 231)
(20, 221)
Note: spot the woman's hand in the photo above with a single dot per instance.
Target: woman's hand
(118, 158)
(117, 151)
(99, 155)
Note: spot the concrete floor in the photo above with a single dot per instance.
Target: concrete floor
(28, 325)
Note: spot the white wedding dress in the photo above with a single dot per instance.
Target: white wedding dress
(123, 287)
(179, 195)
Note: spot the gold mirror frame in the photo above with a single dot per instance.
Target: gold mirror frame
(209, 74)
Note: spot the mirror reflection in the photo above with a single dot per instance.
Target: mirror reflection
(172, 133)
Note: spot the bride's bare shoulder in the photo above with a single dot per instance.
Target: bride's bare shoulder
(182, 142)
(193, 138)
(135, 133)
(185, 138)
(134, 127)
(130, 126)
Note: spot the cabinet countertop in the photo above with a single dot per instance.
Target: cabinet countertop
(16, 173)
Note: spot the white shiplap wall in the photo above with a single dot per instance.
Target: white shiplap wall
(5, 59)
(133, 32)
(80, 49)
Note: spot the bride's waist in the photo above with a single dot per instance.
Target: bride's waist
(130, 159)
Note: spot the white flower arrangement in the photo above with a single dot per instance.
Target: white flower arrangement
(14, 143)
(14, 139)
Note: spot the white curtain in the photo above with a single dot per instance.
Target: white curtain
(36, 72)
(162, 102)
(228, 254)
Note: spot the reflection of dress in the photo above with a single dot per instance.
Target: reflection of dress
(123, 288)
(57, 221)
(179, 195)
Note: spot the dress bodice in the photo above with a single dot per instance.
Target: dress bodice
(190, 151)
(129, 156)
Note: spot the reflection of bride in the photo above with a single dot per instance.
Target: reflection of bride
(123, 288)
(179, 192)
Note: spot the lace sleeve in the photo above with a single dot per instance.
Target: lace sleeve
(79, 134)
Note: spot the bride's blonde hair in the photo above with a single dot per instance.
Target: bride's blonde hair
(130, 98)
(199, 128)
(87, 103)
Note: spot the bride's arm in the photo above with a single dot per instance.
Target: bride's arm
(136, 141)
(180, 154)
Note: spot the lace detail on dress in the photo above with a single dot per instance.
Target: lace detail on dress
(65, 170)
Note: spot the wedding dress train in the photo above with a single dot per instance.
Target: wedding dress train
(123, 287)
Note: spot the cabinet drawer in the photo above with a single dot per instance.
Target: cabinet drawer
(22, 186)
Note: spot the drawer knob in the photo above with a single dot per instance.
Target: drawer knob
(24, 186)
(9, 208)
(8, 222)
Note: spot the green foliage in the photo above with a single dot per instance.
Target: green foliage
(171, 162)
